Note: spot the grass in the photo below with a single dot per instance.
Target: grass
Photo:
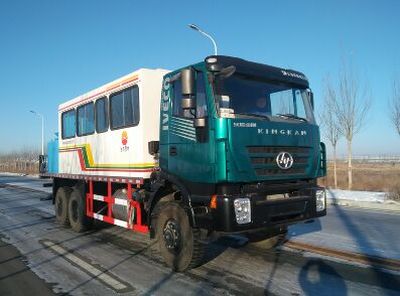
(384, 176)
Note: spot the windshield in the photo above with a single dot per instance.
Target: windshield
(241, 96)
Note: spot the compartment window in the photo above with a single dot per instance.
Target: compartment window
(68, 124)
(86, 119)
(101, 115)
(124, 108)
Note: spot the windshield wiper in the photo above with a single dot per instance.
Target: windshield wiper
(291, 116)
(253, 115)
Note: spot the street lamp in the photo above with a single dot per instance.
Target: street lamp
(41, 116)
(196, 28)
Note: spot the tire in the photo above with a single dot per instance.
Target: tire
(61, 205)
(77, 212)
(179, 244)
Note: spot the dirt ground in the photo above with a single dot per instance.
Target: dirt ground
(372, 176)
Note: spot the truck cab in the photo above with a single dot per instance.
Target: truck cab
(241, 138)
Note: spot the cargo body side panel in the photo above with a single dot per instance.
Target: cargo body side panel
(116, 152)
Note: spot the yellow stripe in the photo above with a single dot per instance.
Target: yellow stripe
(94, 165)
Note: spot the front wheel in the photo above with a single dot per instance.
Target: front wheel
(179, 244)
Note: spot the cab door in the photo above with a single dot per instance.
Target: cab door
(190, 156)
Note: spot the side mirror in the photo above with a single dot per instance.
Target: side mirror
(200, 122)
(187, 76)
(201, 131)
(188, 103)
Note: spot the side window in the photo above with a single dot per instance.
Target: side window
(124, 108)
(86, 119)
(101, 115)
(201, 102)
(68, 124)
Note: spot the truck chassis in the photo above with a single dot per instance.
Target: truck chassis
(134, 209)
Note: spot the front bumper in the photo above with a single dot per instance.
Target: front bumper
(266, 211)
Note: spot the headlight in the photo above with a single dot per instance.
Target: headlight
(320, 196)
(242, 210)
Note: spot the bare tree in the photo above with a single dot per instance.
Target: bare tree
(22, 161)
(395, 105)
(352, 107)
(329, 122)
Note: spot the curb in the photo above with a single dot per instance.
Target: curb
(386, 206)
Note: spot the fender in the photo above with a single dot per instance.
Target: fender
(162, 184)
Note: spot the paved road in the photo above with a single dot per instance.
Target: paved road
(15, 277)
(110, 260)
(371, 232)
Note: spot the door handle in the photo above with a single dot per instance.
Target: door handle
(172, 151)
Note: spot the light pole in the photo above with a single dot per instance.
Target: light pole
(196, 28)
(41, 116)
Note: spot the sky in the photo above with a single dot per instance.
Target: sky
(53, 51)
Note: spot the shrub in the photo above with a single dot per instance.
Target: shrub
(394, 192)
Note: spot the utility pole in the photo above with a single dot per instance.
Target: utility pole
(42, 117)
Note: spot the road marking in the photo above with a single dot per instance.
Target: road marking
(90, 269)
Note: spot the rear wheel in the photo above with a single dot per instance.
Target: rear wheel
(179, 243)
(61, 205)
(77, 212)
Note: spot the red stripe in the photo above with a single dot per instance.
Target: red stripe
(81, 160)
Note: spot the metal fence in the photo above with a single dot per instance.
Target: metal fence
(370, 158)
(23, 167)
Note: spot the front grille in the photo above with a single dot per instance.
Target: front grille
(267, 160)
(263, 159)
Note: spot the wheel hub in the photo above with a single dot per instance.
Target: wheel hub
(172, 235)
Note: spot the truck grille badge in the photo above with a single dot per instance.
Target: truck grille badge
(284, 160)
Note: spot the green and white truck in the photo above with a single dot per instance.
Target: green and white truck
(222, 146)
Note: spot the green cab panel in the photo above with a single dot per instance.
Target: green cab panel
(254, 146)
(181, 152)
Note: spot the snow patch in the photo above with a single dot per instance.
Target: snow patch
(367, 196)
